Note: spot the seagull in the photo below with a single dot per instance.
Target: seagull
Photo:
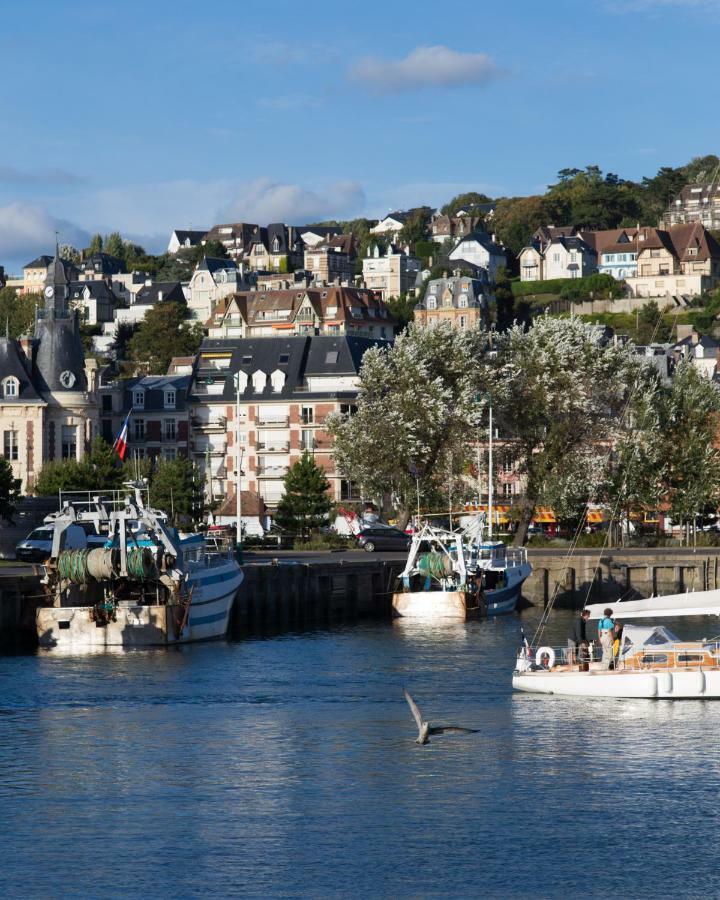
(424, 729)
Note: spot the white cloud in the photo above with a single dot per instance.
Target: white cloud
(290, 101)
(436, 66)
(27, 230)
(13, 175)
(264, 200)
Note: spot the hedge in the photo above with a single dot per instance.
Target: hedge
(598, 284)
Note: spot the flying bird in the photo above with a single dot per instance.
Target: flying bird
(424, 729)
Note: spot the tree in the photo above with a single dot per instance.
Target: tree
(101, 466)
(176, 488)
(651, 326)
(416, 226)
(114, 245)
(467, 201)
(9, 490)
(306, 503)
(96, 244)
(559, 393)
(17, 312)
(517, 218)
(69, 253)
(417, 404)
(402, 309)
(163, 333)
(504, 300)
(60, 475)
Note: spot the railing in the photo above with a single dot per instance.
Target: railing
(692, 656)
(274, 423)
(272, 472)
(273, 448)
(209, 424)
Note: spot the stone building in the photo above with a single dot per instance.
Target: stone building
(49, 403)
(695, 203)
(392, 273)
(458, 299)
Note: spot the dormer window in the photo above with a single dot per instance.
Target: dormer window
(432, 303)
(277, 379)
(259, 381)
(463, 302)
(276, 245)
(138, 400)
(10, 387)
(170, 399)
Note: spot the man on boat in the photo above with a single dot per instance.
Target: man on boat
(578, 636)
(606, 633)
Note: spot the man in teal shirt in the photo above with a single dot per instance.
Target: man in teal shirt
(605, 633)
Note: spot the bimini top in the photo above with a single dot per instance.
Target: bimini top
(635, 636)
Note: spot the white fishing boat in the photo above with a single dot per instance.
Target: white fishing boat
(138, 583)
(652, 663)
(458, 575)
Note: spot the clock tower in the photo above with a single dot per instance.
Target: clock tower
(57, 288)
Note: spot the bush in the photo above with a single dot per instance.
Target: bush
(329, 541)
(570, 288)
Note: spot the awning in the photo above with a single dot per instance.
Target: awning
(501, 513)
(595, 517)
(544, 516)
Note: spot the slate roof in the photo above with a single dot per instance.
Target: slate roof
(97, 288)
(150, 293)
(195, 237)
(296, 356)
(42, 262)
(59, 350)
(484, 239)
(476, 292)
(102, 264)
(154, 387)
(11, 363)
(212, 264)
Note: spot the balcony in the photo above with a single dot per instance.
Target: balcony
(274, 423)
(208, 450)
(215, 423)
(276, 447)
(272, 472)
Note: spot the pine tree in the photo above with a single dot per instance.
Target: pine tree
(101, 468)
(176, 489)
(8, 490)
(306, 502)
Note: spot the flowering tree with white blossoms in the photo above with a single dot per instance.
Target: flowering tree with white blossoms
(417, 405)
(560, 393)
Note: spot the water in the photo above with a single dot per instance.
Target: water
(286, 767)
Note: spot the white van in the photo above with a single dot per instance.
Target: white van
(37, 546)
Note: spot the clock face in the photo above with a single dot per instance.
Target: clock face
(67, 379)
(49, 291)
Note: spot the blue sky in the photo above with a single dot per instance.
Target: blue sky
(144, 116)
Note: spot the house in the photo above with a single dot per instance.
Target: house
(480, 249)
(99, 265)
(158, 426)
(681, 261)
(617, 251)
(235, 237)
(35, 273)
(49, 404)
(391, 225)
(332, 260)
(330, 309)
(444, 228)
(392, 273)
(569, 257)
(461, 300)
(94, 300)
(212, 280)
(153, 292)
(286, 387)
(695, 203)
(277, 248)
(702, 351)
(312, 235)
(185, 239)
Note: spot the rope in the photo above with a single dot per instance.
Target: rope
(435, 565)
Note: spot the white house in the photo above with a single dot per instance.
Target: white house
(480, 249)
(569, 257)
(393, 274)
(183, 239)
(212, 280)
(391, 225)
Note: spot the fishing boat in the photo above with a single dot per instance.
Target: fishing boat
(652, 663)
(138, 583)
(455, 574)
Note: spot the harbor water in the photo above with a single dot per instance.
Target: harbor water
(286, 766)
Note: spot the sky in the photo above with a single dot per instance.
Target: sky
(147, 116)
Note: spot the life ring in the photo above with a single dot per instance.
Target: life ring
(545, 651)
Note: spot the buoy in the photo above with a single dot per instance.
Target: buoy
(545, 651)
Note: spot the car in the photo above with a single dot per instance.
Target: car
(383, 538)
(37, 546)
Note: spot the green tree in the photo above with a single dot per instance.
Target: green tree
(101, 466)
(17, 312)
(163, 333)
(504, 300)
(96, 244)
(114, 245)
(417, 406)
(402, 309)
(176, 488)
(61, 475)
(651, 326)
(305, 503)
(69, 253)
(467, 201)
(9, 490)
(416, 226)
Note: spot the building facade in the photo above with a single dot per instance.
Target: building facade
(480, 249)
(695, 203)
(392, 273)
(462, 301)
(285, 388)
(682, 261)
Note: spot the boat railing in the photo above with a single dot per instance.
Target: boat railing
(113, 500)
(637, 658)
(516, 556)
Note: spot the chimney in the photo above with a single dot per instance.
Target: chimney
(160, 296)
(26, 345)
(429, 262)
(148, 282)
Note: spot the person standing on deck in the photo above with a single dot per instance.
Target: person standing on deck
(606, 629)
(578, 635)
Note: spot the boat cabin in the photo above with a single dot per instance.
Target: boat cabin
(656, 647)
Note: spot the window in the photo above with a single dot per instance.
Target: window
(170, 430)
(68, 441)
(348, 409)
(284, 359)
(556, 257)
(349, 490)
(107, 402)
(138, 399)
(307, 415)
(10, 387)
(169, 453)
(10, 444)
(507, 490)
(307, 441)
(246, 360)
(507, 466)
(169, 399)
(432, 303)
(463, 302)
(331, 357)
(139, 429)
(276, 245)
(462, 323)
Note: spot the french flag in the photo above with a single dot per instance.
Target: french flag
(121, 440)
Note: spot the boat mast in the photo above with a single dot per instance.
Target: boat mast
(490, 470)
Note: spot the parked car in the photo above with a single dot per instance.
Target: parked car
(37, 546)
(386, 538)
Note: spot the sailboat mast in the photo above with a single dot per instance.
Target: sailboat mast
(490, 471)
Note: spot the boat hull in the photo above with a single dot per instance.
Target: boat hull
(679, 684)
(74, 629)
(433, 605)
